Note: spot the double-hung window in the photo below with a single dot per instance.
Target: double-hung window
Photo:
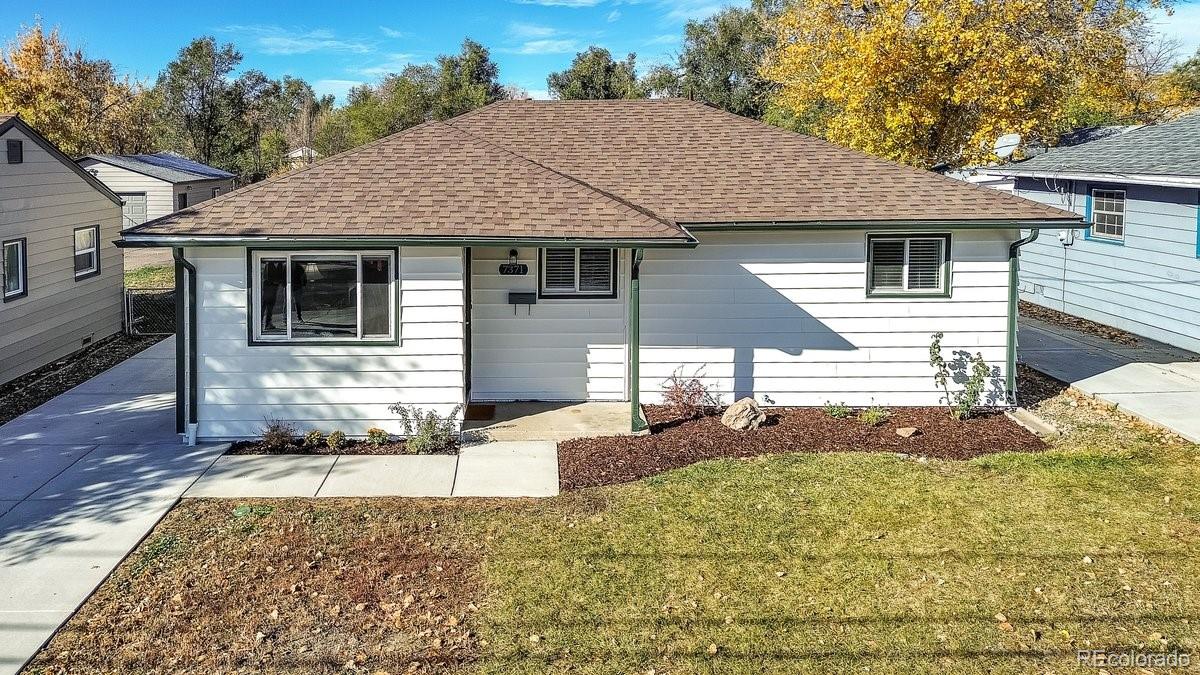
(323, 296)
(578, 272)
(87, 252)
(16, 269)
(910, 264)
(1108, 214)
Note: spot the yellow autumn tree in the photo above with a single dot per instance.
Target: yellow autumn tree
(927, 82)
(76, 102)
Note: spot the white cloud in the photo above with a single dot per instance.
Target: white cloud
(392, 32)
(682, 11)
(544, 47)
(613, 15)
(560, 3)
(394, 63)
(1182, 25)
(666, 39)
(528, 31)
(286, 41)
(339, 88)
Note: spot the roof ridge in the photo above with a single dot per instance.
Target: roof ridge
(220, 199)
(605, 193)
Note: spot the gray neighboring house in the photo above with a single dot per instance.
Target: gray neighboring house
(62, 274)
(154, 185)
(1136, 262)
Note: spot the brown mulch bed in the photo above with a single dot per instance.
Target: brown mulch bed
(352, 447)
(1058, 318)
(675, 443)
(27, 392)
(284, 586)
(1034, 386)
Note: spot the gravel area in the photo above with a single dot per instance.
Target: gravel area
(27, 392)
(674, 443)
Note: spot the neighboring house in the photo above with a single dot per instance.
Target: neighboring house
(1135, 263)
(154, 185)
(61, 272)
(302, 156)
(585, 250)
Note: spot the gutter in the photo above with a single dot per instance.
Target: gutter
(189, 330)
(1163, 180)
(133, 240)
(882, 224)
(637, 422)
(1014, 253)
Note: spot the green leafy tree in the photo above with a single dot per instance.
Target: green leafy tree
(595, 75)
(197, 103)
(465, 81)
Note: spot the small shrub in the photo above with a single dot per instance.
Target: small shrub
(336, 440)
(874, 416)
(426, 431)
(688, 396)
(838, 411)
(377, 436)
(277, 435)
(961, 403)
(314, 439)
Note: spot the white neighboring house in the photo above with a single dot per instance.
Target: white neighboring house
(153, 185)
(60, 271)
(586, 250)
(301, 156)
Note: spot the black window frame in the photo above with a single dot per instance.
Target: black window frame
(946, 267)
(24, 270)
(181, 201)
(253, 298)
(610, 294)
(81, 276)
(15, 151)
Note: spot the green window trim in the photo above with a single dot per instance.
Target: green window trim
(253, 339)
(945, 271)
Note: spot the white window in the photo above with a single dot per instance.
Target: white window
(324, 296)
(87, 252)
(578, 272)
(216, 191)
(1108, 214)
(16, 273)
(908, 264)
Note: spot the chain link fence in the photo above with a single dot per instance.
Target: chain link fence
(150, 311)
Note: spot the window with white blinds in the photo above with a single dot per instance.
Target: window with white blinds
(904, 264)
(570, 272)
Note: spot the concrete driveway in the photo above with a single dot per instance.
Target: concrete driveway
(1150, 380)
(82, 479)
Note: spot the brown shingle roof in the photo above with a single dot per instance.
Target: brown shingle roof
(432, 180)
(620, 170)
(697, 164)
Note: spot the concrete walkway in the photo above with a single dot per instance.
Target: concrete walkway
(82, 479)
(1153, 381)
(494, 469)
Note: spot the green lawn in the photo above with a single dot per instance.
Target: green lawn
(153, 276)
(791, 563)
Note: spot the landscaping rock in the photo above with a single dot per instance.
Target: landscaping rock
(907, 432)
(743, 414)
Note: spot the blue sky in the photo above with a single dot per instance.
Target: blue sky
(337, 45)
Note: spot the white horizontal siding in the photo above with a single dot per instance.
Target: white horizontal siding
(1149, 285)
(159, 195)
(784, 317)
(561, 349)
(346, 387)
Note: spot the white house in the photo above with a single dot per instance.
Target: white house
(60, 273)
(153, 185)
(586, 250)
(301, 156)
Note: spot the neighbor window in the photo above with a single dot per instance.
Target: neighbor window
(216, 191)
(16, 151)
(1108, 214)
(908, 264)
(87, 252)
(583, 272)
(15, 269)
(181, 198)
(324, 296)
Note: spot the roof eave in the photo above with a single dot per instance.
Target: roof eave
(135, 240)
(45, 144)
(1167, 180)
(957, 224)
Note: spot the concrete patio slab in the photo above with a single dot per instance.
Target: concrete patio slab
(25, 467)
(1153, 381)
(264, 476)
(153, 471)
(113, 419)
(508, 469)
(384, 476)
(540, 421)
